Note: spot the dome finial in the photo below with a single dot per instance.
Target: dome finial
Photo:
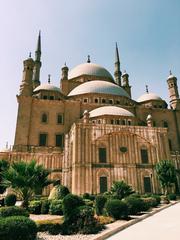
(29, 54)
(147, 90)
(170, 73)
(49, 78)
(88, 60)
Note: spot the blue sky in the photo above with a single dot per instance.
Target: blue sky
(147, 32)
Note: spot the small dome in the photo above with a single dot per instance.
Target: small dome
(91, 69)
(110, 110)
(148, 97)
(149, 117)
(47, 87)
(98, 86)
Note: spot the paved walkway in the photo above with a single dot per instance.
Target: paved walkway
(164, 225)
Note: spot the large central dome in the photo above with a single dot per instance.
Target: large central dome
(98, 86)
(91, 69)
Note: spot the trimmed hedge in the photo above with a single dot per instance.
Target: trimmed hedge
(35, 207)
(117, 209)
(45, 206)
(13, 211)
(99, 204)
(10, 200)
(17, 228)
(55, 207)
(58, 192)
(53, 227)
(172, 196)
(135, 205)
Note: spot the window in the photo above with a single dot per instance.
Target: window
(123, 122)
(103, 101)
(117, 122)
(59, 118)
(112, 121)
(51, 97)
(110, 101)
(103, 184)
(85, 100)
(45, 97)
(42, 139)
(154, 123)
(147, 185)
(170, 144)
(117, 102)
(165, 124)
(44, 118)
(102, 155)
(144, 155)
(129, 122)
(96, 100)
(59, 140)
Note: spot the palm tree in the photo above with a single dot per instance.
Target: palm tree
(4, 165)
(166, 174)
(26, 179)
(120, 189)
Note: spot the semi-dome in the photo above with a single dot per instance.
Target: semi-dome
(47, 87)
(91, 69)
(148, 97)
(110, 110)
(98, 86)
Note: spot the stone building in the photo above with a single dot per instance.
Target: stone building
(90, 131)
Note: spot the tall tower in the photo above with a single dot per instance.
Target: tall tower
(64, 85)
(117, 72)
(173, 92)
(125, 83)
(37, 65)
(26, 87)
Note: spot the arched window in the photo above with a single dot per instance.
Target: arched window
(144, 156)
(103, 184)
(103, 100)
(96, 100)
(165, 124)
(44, 118)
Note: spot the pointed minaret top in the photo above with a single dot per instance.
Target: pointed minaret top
(147, 90)
(38, 49)
(88, 60)
(117, 54)
(49, 78)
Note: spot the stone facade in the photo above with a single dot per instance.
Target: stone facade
(90, 131)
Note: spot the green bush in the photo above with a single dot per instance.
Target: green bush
(135, 205)
(88, 196)
(88, 202)
(86, 222)
(45, 207)
(13, 211)
(51, 226)
(117, 209)
(35, 206)
(69, 204)
(121, 189)
(17, 228)
(157, 197)
(10, 200)
(99, 204)
(55, 207)
(172, 196)
(58, 192)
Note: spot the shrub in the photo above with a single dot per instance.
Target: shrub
(99, 204)
(13, 211)
(35, 207)
(120, 190)
(117, 209)
(55, 207)
(69, 204)
(157, 197)
(105, 219)
(51, 226)
(164, 199)
(58, 192)
(88, 196)
(45, 207)
(86, 222)
(88, 202)
(17, 228)
(135, 205)
(10, 200)
(148, 203)
(172, 196)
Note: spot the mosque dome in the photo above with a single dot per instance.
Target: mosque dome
(91, 69)
(110, 110)
(98, 86)
(148, 97)
(47, 87)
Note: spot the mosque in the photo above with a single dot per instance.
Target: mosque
(90, 131)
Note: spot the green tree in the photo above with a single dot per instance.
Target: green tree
(26, 179)
(166, 174)
(4, 165)
(120, 190)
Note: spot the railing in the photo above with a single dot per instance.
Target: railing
(35, 149)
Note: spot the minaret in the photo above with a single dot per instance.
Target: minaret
(117, 72)
(37, 65)
(64, 84)
(125, 83)
(173, 92)
(26, 87)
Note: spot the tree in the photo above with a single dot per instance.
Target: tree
(26, 179)
(120, 189)
(166, 174)
(4, 165)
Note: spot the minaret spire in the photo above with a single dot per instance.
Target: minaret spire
(117, 72)
(37, 66)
